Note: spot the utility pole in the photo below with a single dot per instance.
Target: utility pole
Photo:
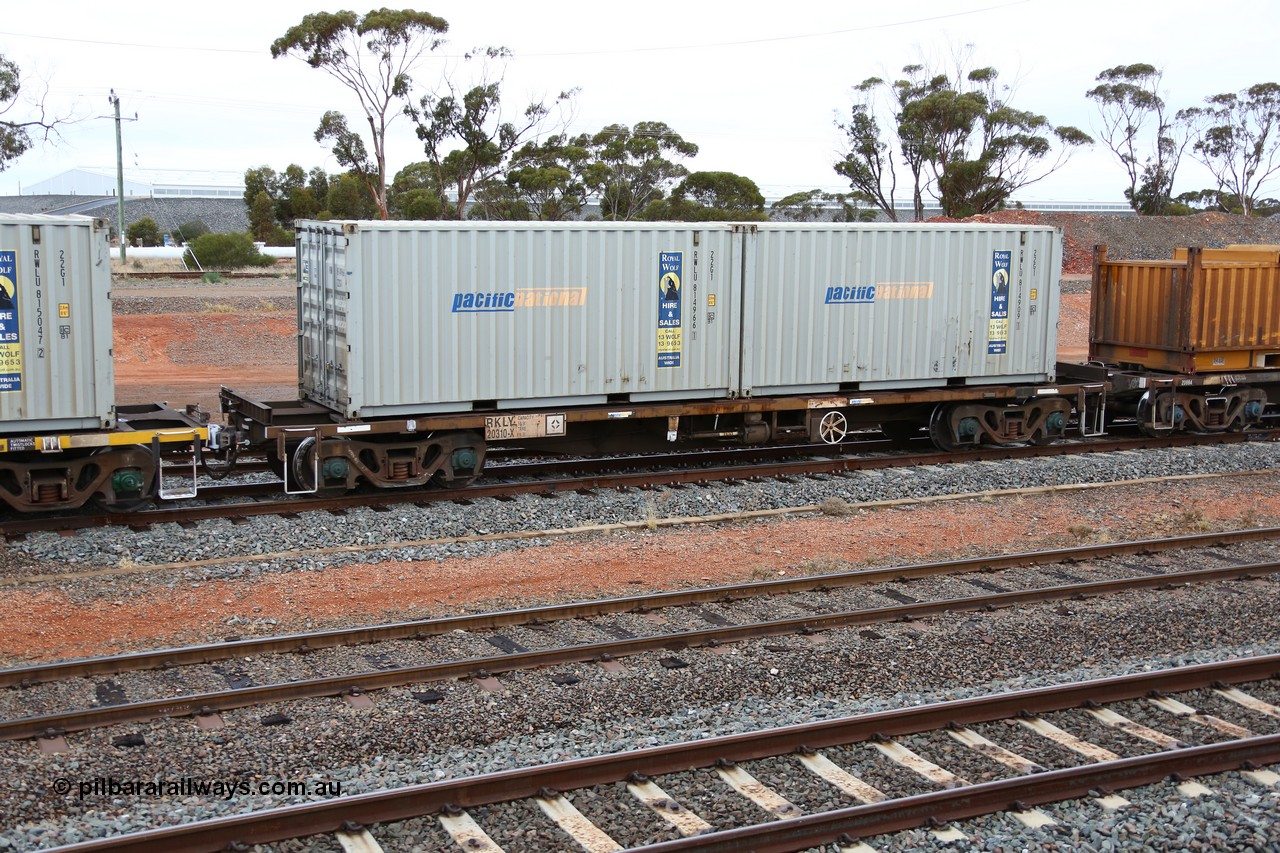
(115, 99)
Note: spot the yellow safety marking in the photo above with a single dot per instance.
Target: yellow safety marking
(997, 753)
(1265, 778)
(763, 796)
(685, 821)
(590, 837)
(1116, 721)
(1242, 698)
(1093, 752)
(467, 834)
(358, 842)
(842, 779)
(908, 759)
(1192, 789)
(1034, 819)
(123, 439)
(1173, 706)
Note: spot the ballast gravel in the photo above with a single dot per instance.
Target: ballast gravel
(280, 545)
(424, 733)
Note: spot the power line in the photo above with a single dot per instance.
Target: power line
(187, 48)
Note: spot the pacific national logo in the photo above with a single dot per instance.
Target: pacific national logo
(507, 301)
(865, 294)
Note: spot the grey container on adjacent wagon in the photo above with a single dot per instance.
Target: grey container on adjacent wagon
(55, 324)
(883, 306)
(405, 318)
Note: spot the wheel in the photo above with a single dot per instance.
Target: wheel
(940, 432)
(131, 484)
(833, 427)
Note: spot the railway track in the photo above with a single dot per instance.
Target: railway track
(801, 786)
(561, 476)
(709, 619)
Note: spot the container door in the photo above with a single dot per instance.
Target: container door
(323, 316)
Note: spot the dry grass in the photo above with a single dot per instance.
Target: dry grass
(146, 265)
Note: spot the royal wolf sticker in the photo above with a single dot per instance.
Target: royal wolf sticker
(670, 331)
(10, 337)
(998, 325)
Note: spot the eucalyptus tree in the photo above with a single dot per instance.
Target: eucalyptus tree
(1237, 137)
(372, 55)
(631, 167)
(1143, 132)
(954, 136)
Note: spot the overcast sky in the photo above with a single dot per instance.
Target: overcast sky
(756, 85)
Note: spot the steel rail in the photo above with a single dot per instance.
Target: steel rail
(1017, 794)
(417, 629)
(416, 800)
(205, 703)
(614, 480)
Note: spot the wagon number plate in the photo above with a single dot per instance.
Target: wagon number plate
(502, 427)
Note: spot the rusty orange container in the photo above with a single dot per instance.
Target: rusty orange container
(1206, 310)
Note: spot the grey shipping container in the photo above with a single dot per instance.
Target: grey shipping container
(409, 318)
(55, 324)
(885, 306)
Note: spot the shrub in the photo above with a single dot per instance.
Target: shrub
(144, 232)
(280, 237)
(188, 231)
(225, 251)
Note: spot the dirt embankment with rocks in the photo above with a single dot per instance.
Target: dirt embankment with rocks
(1146, 238)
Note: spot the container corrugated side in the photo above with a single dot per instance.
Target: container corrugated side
(403, 318)
(56, 371)
(881, 306)
(1187, 315)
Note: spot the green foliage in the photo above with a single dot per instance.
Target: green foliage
(225, 251)
(629, 167)
(292, 194)
(349, 198)
(211, 278)
(546, 178)
(372, 56)
(1143, 134)
(1215, 199)
(415, 193)
(143, 232)
(818, 206)
(711, 197)
(1237, 136)
(262, 216)
(474, 119)
(189, 231)
(280, 237)
(958, 137)
(495, 200)
(14, 138)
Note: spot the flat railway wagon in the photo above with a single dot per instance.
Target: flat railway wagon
(1189, 343)
(63, 442)
(423, 344)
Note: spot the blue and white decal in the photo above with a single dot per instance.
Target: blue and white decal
(10, 336)
(670, 328)
(998, 325)
(484, 303)
(856, 295)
